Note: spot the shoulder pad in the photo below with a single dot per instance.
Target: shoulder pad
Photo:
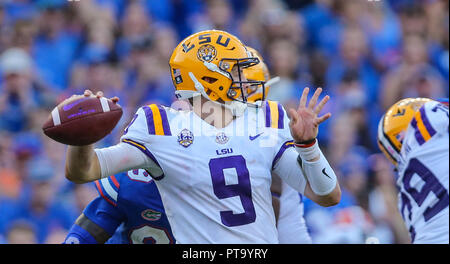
(431, 119)
(274, 114)
(157, 122)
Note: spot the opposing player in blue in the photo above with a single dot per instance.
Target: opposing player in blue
(128, 211)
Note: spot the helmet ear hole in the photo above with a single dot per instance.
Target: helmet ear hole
(212, 95)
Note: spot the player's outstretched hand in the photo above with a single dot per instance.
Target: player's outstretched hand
(304, 124)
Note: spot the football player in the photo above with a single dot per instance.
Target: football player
(287, 203)
(143, 215)
(129, 210)
(213, 165)
(413, 135)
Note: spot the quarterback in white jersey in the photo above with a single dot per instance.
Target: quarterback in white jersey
(213, 164)
(421, 126)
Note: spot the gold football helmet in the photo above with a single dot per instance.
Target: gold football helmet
(259, 72)
(393, 125)
(210, 63)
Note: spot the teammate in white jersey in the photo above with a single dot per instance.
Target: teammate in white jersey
(413, 134)
(213, 165)
(287, 202)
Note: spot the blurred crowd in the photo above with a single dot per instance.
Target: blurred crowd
(365, 54)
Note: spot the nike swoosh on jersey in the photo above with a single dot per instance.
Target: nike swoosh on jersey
(323, 171)
(254, 137)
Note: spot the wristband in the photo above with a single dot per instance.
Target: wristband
(307, 142)
(308, 151)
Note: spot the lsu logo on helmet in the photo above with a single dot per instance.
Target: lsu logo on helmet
(206, 53)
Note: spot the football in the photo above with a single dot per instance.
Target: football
(82, 120)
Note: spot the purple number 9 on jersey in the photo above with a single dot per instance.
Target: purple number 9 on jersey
(242, 189)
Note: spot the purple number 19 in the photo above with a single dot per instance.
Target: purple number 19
(243, 189)
(432, 184)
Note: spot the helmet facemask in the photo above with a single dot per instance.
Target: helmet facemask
(241, 88)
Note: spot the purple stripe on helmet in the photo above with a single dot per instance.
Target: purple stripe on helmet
(150, 124)
(280, 116)
(165, 122)
(283, 148)
(426, 122)
(417, 133)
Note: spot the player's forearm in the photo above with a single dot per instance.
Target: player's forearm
(322, 180)
(82, 164)
(328, 200)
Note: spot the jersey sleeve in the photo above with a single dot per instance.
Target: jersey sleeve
(79, 235)
(431, 119)
(104, 214)
(108, 189)
(148, 123)
(99, 219)
(284, 162)
(277, 121)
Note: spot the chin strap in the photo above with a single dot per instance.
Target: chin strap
(198, 86)
(213, 67)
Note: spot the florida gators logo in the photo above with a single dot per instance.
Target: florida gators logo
(206, 53)
(151, 215)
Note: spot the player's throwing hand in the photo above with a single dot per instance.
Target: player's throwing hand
(304, 124)
(99, 94)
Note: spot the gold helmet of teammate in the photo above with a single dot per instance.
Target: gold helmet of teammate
(259, 72)
(393, 125)
(210, 63)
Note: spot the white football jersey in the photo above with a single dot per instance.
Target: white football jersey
(291, 222)
(423, 175)
(215, 183)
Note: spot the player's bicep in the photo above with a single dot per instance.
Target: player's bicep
(85, 231)
(104, 215)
